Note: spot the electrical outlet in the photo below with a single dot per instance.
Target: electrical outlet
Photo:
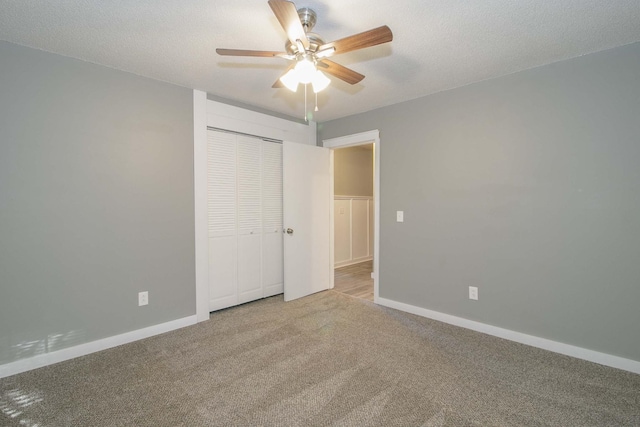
(400, 216)
(143, 298)
(473, 293)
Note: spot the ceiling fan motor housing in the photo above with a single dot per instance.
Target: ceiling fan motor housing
(315, 41)
(307, 18)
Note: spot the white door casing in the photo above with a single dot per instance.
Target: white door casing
(368, 137)
(308, 266)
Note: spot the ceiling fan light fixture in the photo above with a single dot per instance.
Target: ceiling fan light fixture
(305, 70)
(290, 80)
(320, 81)
(308, 50)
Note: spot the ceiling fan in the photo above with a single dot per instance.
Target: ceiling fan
(309, 51)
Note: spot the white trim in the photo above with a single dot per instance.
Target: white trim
(352, 140)
(376, 220)
(332, 254)
(337, 197)
(200, 203)
(372, 136)
(543, 343)
(46, 359)
(238, 119)
(352, 262)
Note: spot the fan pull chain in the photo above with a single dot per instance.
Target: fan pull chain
(305, 103)
(316, 102)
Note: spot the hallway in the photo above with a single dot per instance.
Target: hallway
(355, 280)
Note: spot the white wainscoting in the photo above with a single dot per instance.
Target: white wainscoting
(353, 230)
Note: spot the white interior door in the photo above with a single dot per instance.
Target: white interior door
(307, 206)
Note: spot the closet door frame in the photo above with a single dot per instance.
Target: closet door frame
(208, 113)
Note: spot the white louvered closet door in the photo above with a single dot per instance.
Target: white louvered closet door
(245, 219)
(272, 250)
(249, 218)
(222, 212)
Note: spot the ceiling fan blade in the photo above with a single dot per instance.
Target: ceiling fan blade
(241, 52)
(288, 17)
(359, 41)
(341, 72)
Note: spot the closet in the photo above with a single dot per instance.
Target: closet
(244, 197)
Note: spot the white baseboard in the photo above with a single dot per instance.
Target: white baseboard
(45, 359)
(546, 344)
(352, 262)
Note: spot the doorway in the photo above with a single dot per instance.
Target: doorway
(353, 181)
(363, 269)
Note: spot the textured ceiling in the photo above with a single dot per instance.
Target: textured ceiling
(438, 44)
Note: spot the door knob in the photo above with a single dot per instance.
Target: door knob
(289, 231)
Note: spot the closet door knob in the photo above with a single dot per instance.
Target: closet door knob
(289, 231)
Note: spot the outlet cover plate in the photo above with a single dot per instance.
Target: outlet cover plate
(143, 298)
(473, 293)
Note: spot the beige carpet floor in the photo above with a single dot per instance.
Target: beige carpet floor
(324, 360)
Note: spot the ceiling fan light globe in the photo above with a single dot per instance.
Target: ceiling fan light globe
(305, 71)
(290, 80)
(320, 81)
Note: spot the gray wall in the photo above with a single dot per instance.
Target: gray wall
(353, 171)
(96, 202)
(527, 186)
